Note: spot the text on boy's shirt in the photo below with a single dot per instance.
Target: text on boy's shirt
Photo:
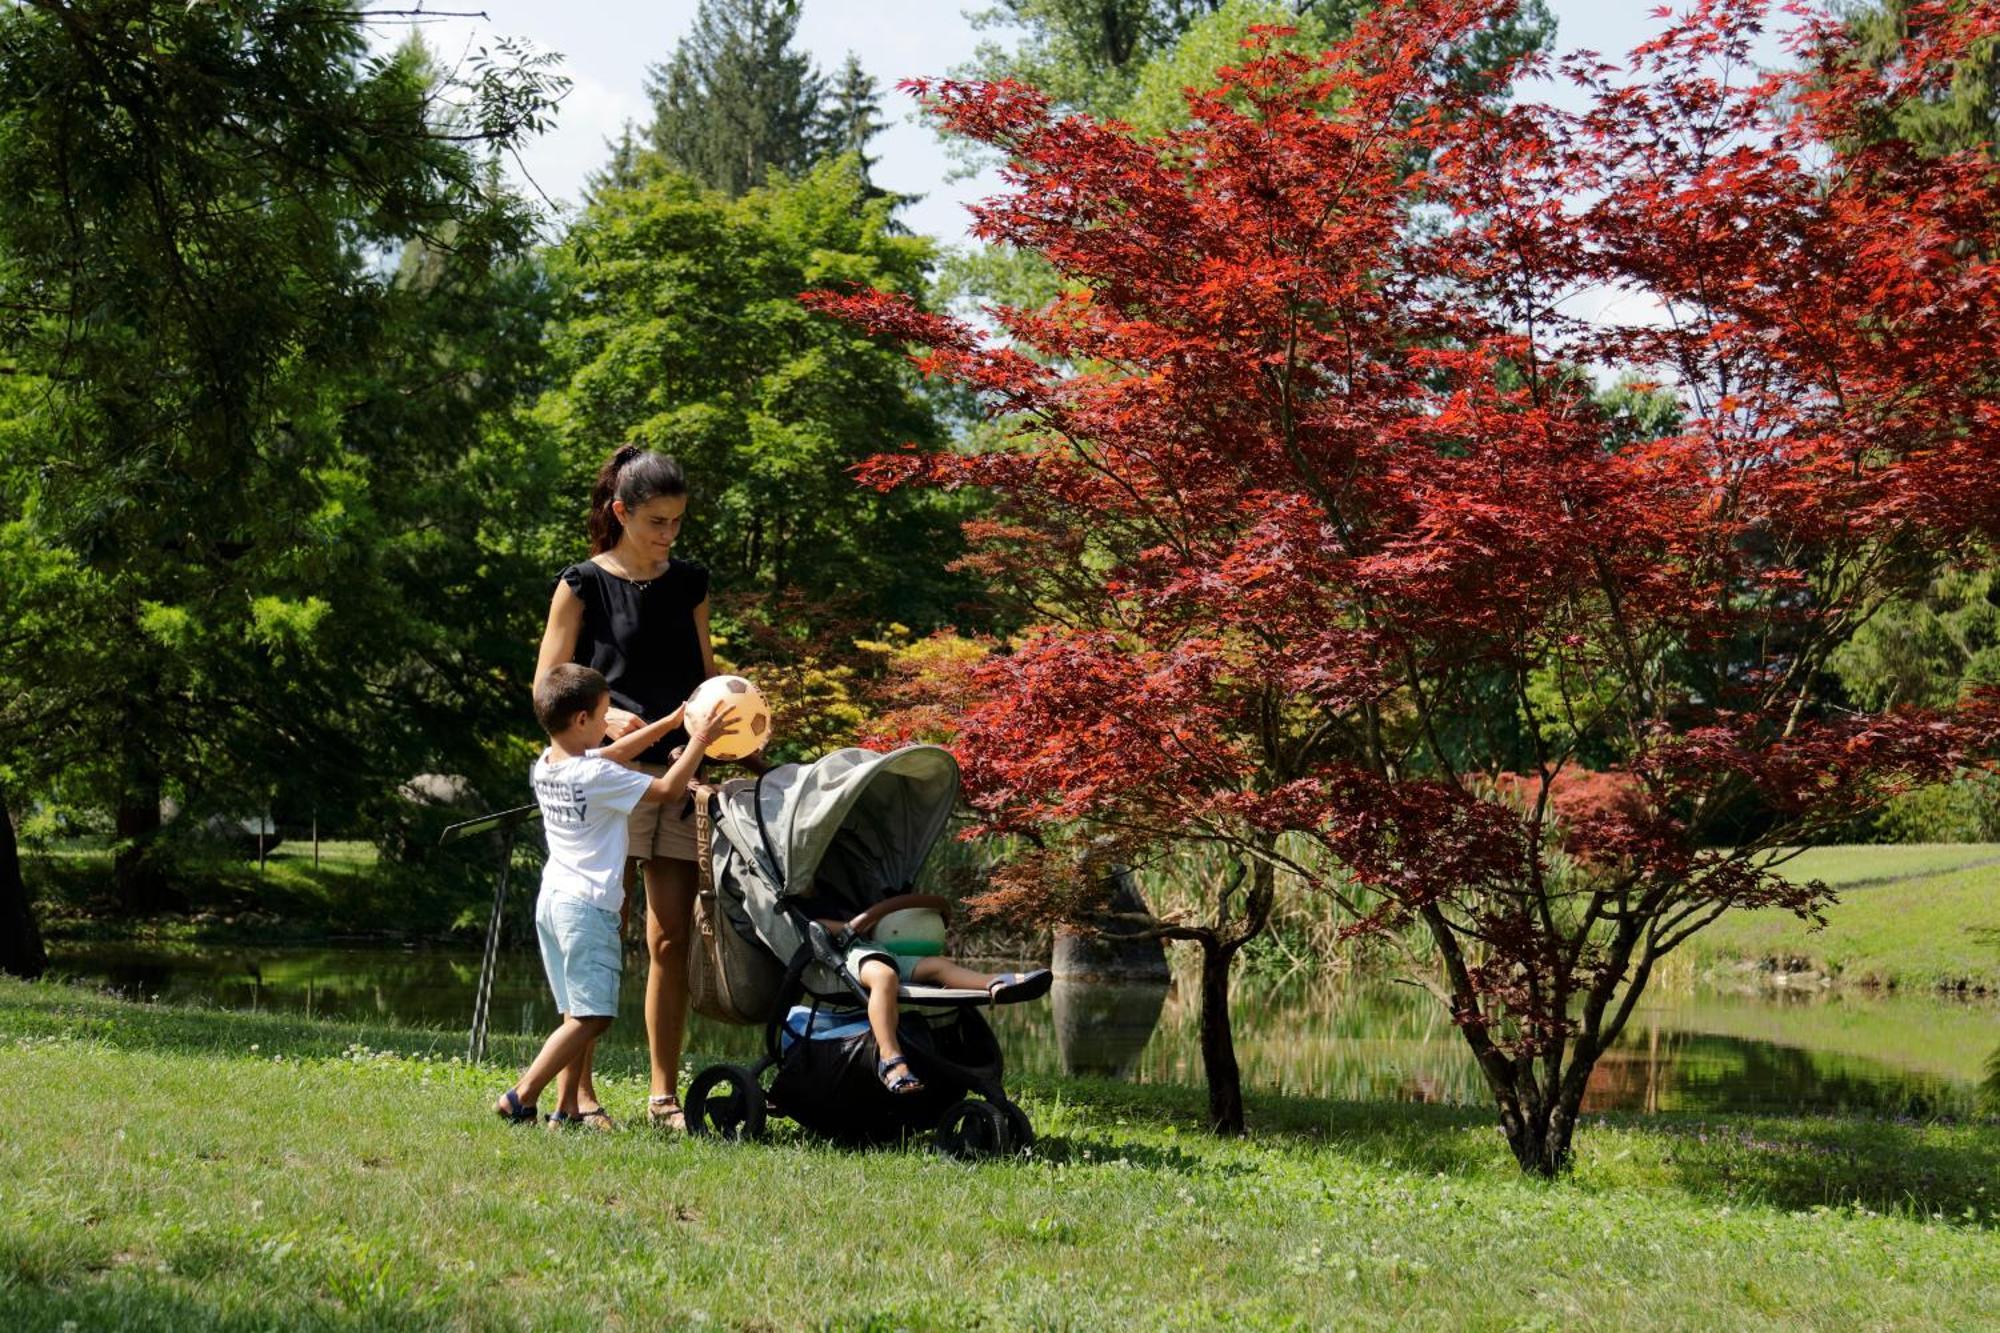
(561, 800)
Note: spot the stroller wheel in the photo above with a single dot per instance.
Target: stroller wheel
(972, 1129)
(1020, 1129)
(725, 1102)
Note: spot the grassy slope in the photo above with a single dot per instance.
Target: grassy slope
(1935, 924)
(160, 1172)
(350, 891)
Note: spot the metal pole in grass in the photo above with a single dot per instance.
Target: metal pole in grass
(506, 823)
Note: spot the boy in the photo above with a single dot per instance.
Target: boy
(585, 795)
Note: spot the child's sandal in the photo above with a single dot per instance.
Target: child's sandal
(904, 1082)
(1017, 987)
(664, 1112)
(509, 1108)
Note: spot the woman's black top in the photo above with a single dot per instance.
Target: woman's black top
(642, 637)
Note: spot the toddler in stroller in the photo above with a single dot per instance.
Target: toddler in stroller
(903, 946)
(807, 925)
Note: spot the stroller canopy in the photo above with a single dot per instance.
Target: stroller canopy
(852, 828)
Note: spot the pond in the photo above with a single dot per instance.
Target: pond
(1365, 1040)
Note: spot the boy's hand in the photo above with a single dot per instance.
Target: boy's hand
(618, 722)
(720, 722)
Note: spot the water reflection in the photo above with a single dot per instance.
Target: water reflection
(1100, 1029)
(1362, 1041)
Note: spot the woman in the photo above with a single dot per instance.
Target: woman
(640, 616)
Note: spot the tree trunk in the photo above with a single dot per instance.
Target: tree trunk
(20, 939)
(1539, 1128)
(136, 878)
(1218, 1044)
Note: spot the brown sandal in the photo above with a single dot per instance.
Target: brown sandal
(596, 1118)
(665, 1113)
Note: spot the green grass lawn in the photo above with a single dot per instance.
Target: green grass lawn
(1919, 917)
(181, 1168)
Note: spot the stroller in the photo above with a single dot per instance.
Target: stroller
(842, 838)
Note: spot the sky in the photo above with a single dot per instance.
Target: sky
(608, 45)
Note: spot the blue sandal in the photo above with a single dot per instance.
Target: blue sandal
(904, 1081)
(1016, 987)
(509, 1108)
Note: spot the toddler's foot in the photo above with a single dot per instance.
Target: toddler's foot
(1014, 987)
(510, 1109)
(896, 1076)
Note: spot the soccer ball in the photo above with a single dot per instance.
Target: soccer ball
(753, 715)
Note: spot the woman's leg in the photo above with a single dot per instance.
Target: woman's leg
(670, 886)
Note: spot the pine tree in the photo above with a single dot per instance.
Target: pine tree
(735, 100)
(853, 114)
(1965, 113)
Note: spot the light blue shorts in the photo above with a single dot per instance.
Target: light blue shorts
(861, 951)
(581, 954)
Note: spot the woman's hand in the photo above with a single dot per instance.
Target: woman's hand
(618, 722)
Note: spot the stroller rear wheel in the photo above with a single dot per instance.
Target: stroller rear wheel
(725, 1102)
(972, 1129)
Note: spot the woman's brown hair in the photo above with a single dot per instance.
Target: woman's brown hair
(633, 475)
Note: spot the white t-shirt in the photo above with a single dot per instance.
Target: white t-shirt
(584, 804)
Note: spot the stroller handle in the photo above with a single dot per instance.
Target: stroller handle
(861, 925)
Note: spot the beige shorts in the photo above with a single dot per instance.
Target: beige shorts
(657, 829)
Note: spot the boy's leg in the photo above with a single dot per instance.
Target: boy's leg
(573, 1088)
(557, 1053)
(586, 1089)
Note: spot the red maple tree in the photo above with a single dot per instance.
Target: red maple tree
(1332, 549)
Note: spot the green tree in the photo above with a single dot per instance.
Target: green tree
(234, 433)
(1962, 114)
(1113, 58)
(735, 102)
(1129, 60)
(851, 118)
(682, 329)
(1924, 650)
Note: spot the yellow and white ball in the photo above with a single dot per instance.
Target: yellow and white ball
(753, 715)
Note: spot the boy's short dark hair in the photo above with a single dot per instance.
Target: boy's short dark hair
(567, 690)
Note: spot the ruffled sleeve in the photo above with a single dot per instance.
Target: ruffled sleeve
(574, 576)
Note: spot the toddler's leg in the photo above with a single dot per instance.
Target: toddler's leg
(1005, 988)
(935, 971)
(879, 978)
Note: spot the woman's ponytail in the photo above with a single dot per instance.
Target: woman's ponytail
(634, 475)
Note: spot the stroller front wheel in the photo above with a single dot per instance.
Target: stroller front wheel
(972, 1129)
(725, 1102)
